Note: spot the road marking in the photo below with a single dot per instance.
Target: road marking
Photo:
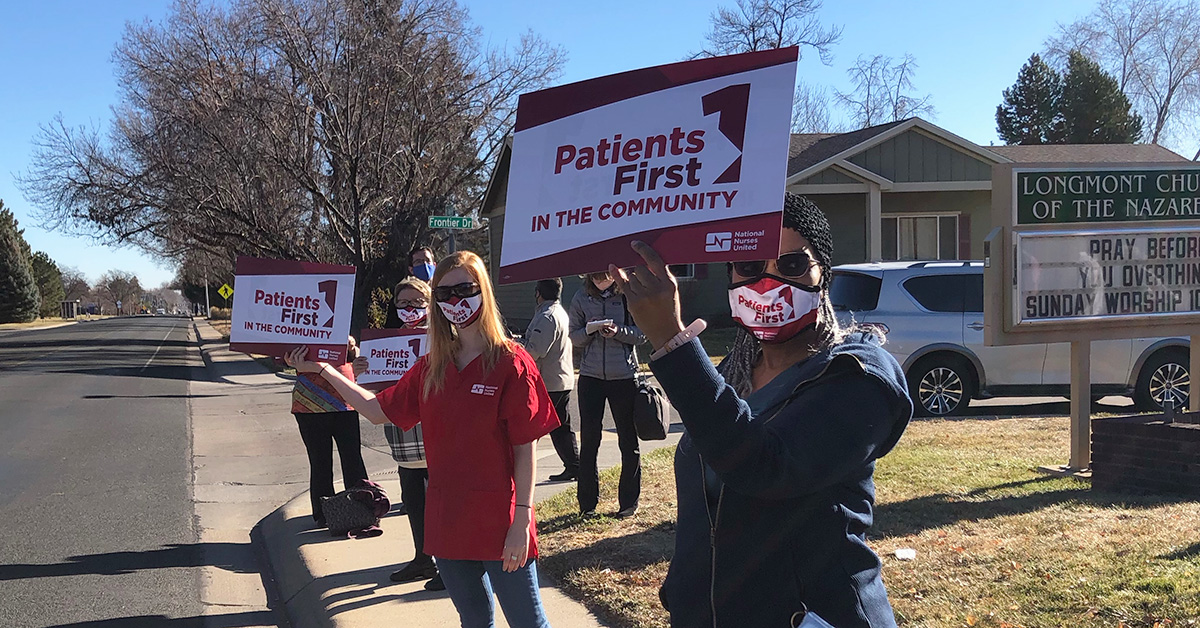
(160, 346)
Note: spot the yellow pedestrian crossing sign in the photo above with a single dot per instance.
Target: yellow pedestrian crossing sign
(225, 291)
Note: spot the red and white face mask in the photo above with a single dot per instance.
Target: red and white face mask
(462, 311)
(774, 309)
(411, 316)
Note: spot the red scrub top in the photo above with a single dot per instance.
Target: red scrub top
(470, 428)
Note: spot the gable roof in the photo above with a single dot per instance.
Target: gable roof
(1087, 153)
(812, 154)
(809, 149)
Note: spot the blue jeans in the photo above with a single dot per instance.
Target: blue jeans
(470, 584)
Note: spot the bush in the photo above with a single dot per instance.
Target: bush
(219, 313)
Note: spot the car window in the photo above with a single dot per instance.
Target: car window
(974, 293)
(938, 293)
(854, 292)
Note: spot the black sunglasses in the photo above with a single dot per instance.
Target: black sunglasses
(461, 290)
(790, 265)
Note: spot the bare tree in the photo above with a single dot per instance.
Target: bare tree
(75, 285)
(297, 129)
(883, 91)
(119, 287)
(810, 110)
(765, 24)
(1152, 47)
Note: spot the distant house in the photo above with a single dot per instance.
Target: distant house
(896, 191)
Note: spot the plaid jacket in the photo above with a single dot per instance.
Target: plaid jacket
(408, 447)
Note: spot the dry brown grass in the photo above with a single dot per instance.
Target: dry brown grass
(221, 326)
(998, 544)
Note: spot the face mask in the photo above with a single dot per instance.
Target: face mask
(423, 271)
(462, 312)
(411, 315)
(774, 309)
(604, 285)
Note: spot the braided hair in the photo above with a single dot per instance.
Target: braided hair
(804, 217)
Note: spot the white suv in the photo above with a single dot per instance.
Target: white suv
(933, 315)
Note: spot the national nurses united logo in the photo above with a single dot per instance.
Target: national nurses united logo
(484, 389)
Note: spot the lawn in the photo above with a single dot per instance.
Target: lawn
(998, 544)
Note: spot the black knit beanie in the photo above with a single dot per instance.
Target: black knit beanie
(802, 215)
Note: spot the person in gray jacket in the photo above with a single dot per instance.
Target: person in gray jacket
(546, 340)
(603, 330)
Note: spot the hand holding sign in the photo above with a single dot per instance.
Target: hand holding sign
(652, 295)
(296, 359)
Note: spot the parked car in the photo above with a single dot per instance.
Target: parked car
(932, 313)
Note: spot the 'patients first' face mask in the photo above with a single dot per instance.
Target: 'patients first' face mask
(411, 316)
(462, 311)
(774, 309)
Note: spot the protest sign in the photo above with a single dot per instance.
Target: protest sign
(689, 157)
(279, 305)
(390, 353)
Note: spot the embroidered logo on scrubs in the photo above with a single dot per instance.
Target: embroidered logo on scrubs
(484, 389)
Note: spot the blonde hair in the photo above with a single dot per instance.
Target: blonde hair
(412, 283)
(443, 337)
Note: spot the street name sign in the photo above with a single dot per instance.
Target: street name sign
(451, 222)
(689, 157)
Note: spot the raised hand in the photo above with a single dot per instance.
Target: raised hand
(296, 359)
(651, 294)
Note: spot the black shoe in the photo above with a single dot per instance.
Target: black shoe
(565, 476)
(435, 584)
(588, 514)
(400, 510)
(415, 571)
(319, 522)
(626, 513)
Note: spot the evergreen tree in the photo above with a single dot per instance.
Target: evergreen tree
(50, 284)
(1094, 109)
(1030, 111)
(18, 290)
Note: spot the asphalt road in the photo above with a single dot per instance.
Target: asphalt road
(96, 522)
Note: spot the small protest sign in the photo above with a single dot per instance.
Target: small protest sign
(690, 157)
(279, 305)
(390, 353)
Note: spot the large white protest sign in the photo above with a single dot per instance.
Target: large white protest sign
(690, 157)
(390, 353)
(279, 305)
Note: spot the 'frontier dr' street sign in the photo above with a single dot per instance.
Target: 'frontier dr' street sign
(451, 222)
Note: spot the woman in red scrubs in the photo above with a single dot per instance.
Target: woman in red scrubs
(482, 405)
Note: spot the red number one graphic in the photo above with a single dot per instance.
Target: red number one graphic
(329, 289)
(731, 105)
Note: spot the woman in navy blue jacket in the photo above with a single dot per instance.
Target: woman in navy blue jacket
(774, 474)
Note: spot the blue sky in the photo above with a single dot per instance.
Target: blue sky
(58, 61)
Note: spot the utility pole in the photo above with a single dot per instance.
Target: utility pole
(206, 305)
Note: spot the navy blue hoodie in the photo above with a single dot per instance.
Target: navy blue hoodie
(775, 497)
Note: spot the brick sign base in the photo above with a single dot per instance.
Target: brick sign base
(1142, 453)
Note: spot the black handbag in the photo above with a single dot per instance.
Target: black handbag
(651, 411)
(344, 513)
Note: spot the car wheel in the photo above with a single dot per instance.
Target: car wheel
(1164, 376)
(941, 386)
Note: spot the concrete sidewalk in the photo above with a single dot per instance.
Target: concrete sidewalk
(251, 463)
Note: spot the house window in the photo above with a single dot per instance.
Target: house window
(683, 271)
(930, 237)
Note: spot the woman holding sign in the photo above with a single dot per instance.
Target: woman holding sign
(774, 476)
(411, 311)
(483, 406)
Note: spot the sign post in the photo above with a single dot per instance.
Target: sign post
(453, 224)
(689, 157)
(1085, 252)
